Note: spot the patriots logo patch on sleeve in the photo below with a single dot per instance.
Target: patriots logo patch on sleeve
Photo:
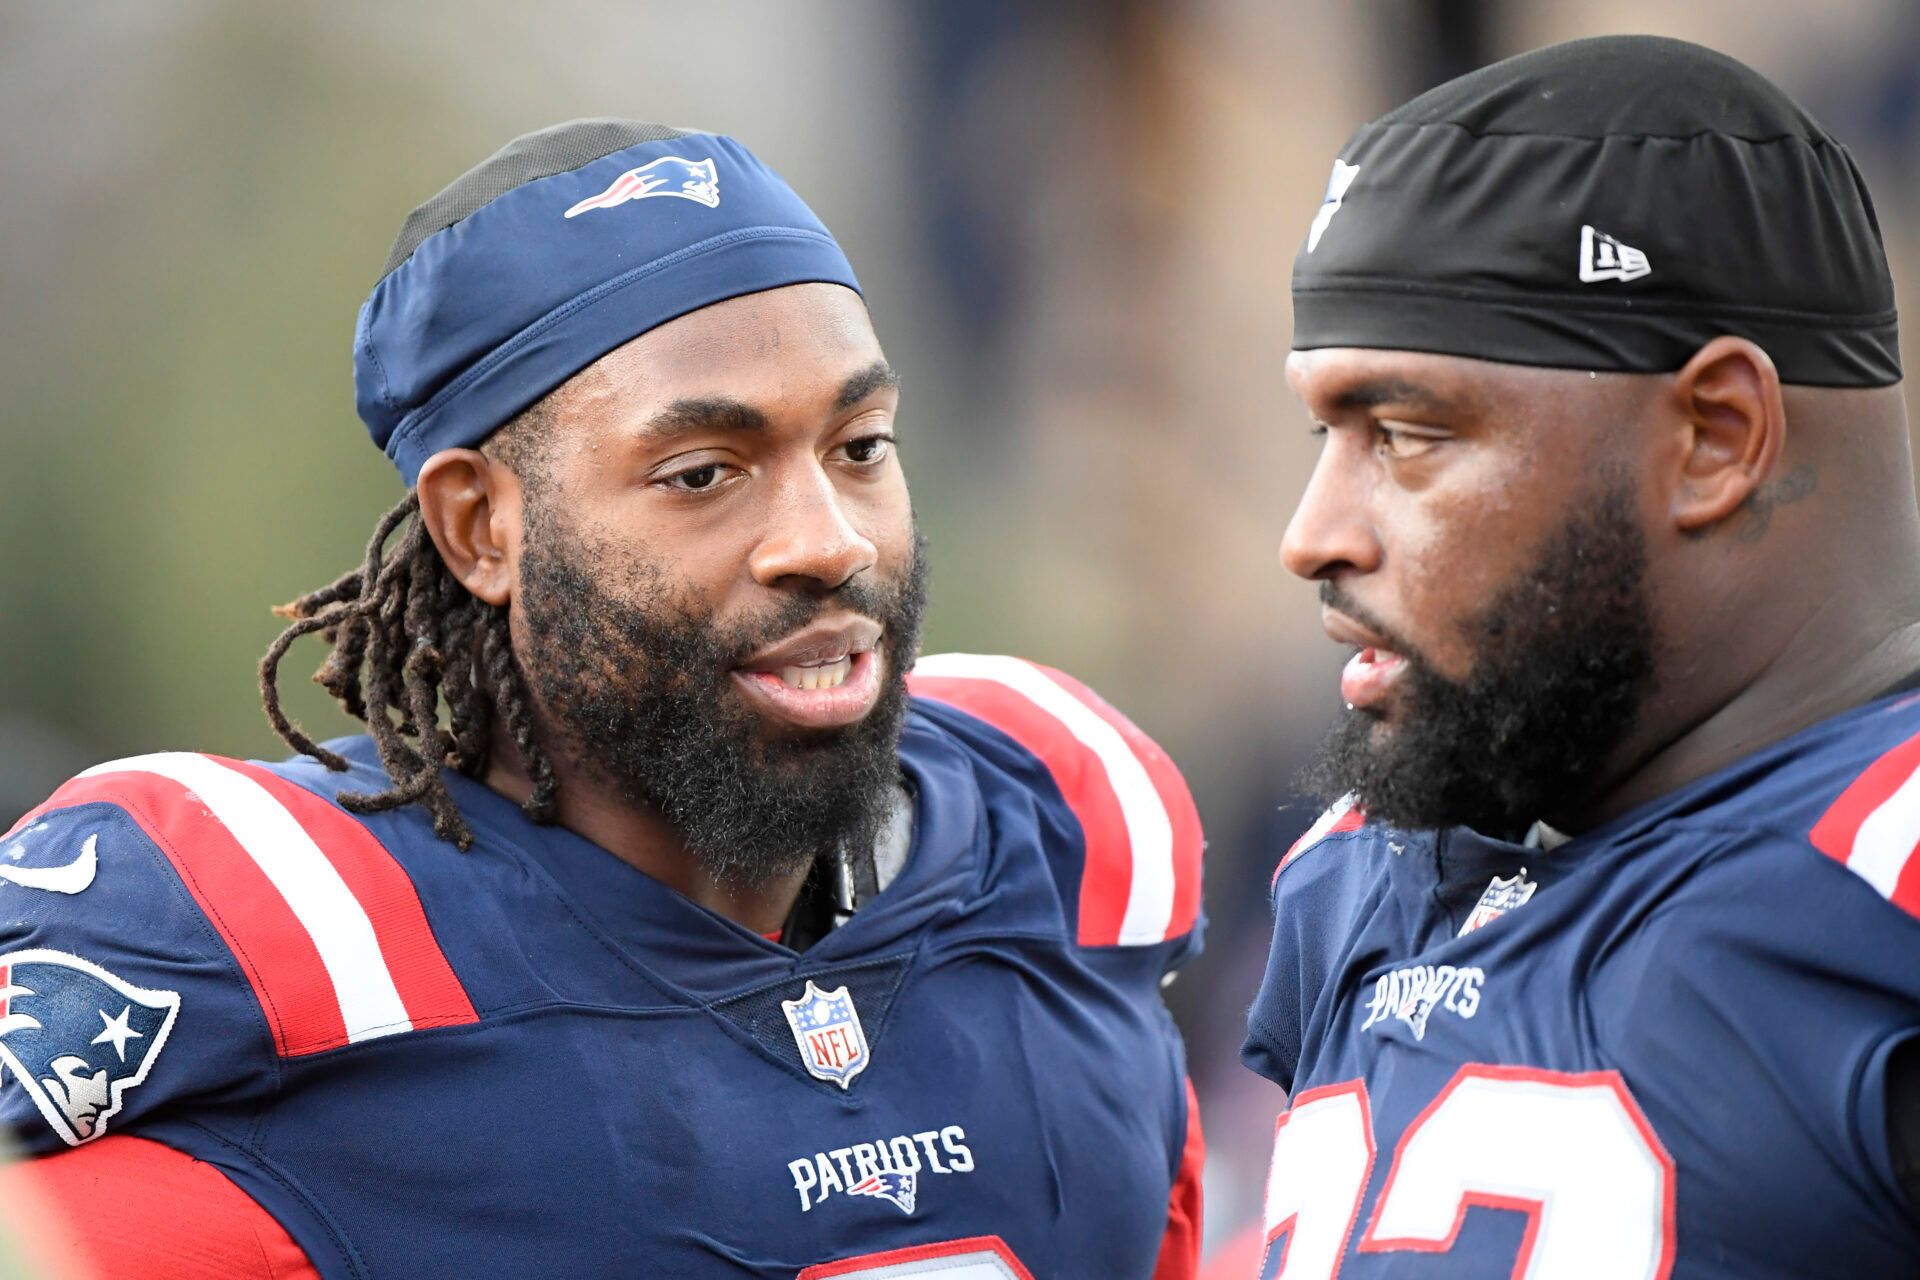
(77, 1038)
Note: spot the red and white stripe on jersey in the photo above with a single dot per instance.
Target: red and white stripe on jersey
(1141, 882)
(1874, 827)
(325, 924)
(1341, 815)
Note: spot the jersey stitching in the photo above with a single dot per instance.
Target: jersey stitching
(1801, 844)
(592, 926)
(260, 1164)
(1182, 1116)
(1670, 907)
(1856, 1085)
(1273, 896)
(907, 972)
(501, 1016)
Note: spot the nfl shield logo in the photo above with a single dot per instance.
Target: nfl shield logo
(827, 1028)
(1498, 898)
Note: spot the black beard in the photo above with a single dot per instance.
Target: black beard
(634, 686)
(1564, 662)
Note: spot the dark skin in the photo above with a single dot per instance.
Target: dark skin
(745, 450)
(1784, 563)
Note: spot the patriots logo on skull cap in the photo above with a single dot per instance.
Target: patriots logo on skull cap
(695, 180)
(77, 1038)
(1337, 183)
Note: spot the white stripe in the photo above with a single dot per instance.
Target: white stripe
(1149, 830)
(1886, 839)
(370, 1006)
(1321, 825)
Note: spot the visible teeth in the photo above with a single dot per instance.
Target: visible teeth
(828, 675)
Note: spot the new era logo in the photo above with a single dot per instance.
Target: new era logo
(1604, 258)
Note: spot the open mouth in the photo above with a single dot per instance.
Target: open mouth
(1369, 676)
(830, 674)
(822, 677)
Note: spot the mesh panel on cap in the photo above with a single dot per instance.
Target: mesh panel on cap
(562, 148)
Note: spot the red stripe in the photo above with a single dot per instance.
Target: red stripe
(611, 196)
(1906, 890)
(873, 1262)
(1182, 815)
(1352, 820)
(428, 988)
(1180, 1246)
(133, 1209)
(1082, 779)
(1833, 835)
(268, 941)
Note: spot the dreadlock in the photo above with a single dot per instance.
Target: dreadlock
(407, 638)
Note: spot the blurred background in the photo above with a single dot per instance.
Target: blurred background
(1075, 223)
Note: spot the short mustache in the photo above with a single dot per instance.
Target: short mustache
(866, 601)
(1332, 597)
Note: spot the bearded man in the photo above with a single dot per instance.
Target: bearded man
(654, 927)
(1607, 964)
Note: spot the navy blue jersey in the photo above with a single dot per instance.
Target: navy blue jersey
(1657, 1050)
(531, 1059)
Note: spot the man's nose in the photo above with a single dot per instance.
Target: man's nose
(1332, 528)
(809, 535)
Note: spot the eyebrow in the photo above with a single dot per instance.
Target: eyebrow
(877, 376)
(705, 413)
(1378, 391)
(725, 413)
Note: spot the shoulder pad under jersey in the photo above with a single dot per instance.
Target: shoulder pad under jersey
(177, 924)
(1137, 880)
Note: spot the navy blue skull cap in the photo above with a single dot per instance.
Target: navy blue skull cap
(560, 247)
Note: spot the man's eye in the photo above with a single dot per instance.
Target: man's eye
(1396, 443)
(697, 479)
(868, 449)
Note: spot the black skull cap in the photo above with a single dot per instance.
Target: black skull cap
(1605, 204)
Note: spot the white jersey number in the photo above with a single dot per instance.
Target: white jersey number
(1571, 1151)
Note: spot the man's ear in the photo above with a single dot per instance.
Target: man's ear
(471, 507)
(1730, 408)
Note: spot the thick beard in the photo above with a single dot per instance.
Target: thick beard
(634, 688)
(1564, 661)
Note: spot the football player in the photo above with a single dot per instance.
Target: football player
(661, 924)
(1607, 964)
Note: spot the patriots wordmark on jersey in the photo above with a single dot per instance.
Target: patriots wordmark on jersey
(1658, 1050)
(324, 1044)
